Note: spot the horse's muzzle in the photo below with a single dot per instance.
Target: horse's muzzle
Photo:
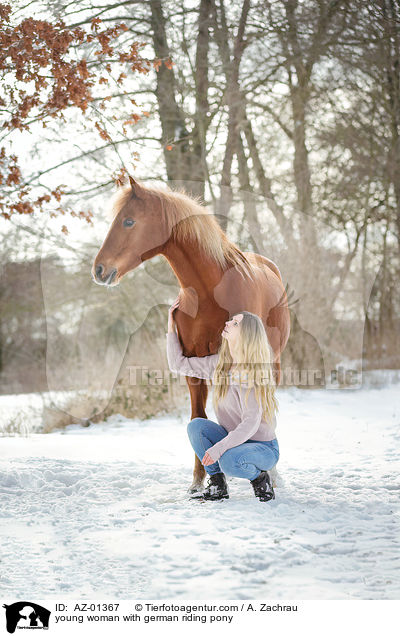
(102, 277)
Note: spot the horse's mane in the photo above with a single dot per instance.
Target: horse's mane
(189, 221)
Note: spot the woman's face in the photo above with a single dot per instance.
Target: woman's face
(231, 331)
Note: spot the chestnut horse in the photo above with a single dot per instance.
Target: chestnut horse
(216, 278)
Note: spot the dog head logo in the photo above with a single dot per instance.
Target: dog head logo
(26, 615)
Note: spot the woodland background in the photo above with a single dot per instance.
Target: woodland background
(283, 116)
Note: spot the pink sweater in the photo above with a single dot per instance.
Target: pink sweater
(242, 422)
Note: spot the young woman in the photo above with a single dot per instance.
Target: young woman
(243, 443)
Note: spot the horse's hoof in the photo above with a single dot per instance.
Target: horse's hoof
(195, 490)
(273, 474)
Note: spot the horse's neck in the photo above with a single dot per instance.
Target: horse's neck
(193, 268)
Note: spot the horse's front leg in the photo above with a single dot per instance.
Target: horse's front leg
(198, 396)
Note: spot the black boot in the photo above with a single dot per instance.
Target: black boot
(217, 488)
(262, 487)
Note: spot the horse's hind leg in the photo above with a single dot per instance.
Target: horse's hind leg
(273, 473)
(198, 476)
(198, 396)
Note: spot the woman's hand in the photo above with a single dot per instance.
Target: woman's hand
(207, 461)
(171, 321)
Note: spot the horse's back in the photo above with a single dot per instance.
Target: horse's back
(263, 261)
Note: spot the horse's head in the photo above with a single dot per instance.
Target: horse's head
(137, 233)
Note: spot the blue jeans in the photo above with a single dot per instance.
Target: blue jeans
(246, 460)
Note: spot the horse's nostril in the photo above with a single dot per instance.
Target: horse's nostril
(112, 276)
(99, 270)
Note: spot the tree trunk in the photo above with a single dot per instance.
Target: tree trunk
(233, 99)
(183, 160)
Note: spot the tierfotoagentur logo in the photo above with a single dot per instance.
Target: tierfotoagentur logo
(26, 615)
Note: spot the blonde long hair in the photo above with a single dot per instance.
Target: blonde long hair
(255, 361)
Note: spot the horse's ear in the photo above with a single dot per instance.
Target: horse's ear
(135, 187)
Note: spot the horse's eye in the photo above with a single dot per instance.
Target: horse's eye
(128, 222)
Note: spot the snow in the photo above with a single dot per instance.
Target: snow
(103, 512)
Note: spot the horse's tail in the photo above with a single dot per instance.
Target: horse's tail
(286, 300)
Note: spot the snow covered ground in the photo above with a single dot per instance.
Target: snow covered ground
(102, 512)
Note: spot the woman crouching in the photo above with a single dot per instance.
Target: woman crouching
(243, 442)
